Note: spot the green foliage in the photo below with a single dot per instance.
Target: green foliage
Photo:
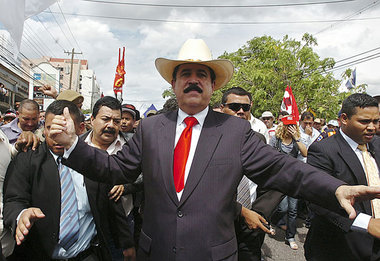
(168, 93)
(265, 66)
(87, 111)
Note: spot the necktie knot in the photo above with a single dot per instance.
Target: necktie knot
(190, 121)
(362, 147)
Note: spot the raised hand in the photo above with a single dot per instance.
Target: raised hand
(62, 130)
(49, 91)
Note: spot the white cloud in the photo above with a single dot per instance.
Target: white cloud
(100, 39)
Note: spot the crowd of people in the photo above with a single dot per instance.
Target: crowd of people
(189, 182)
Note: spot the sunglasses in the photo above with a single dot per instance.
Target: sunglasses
(267, 118)
(237, 106)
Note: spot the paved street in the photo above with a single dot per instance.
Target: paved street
(274, 247)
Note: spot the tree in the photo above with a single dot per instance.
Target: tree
(265, 66)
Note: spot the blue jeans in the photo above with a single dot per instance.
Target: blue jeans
(289, 205)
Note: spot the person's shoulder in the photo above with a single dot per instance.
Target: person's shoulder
(32, 156)
(328, 143)
(6, 127)
(226, 119)
(376, 141)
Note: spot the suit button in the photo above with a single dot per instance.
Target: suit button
(179, 213)
(174, 249)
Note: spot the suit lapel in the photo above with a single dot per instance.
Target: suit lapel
(355, 166)
(51, 176)
(375, 152)
(351, 160)
(166, 137)
(208, 140)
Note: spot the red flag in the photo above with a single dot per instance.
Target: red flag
(289, 103)
(119, 75)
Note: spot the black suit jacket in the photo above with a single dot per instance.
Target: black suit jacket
(199, 226)
(32, 180)
(330, 236)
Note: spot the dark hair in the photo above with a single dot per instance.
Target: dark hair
(237, 91)
(107, 101)
(360, 100)
(29, 103)
(307, 115)
(57, 107)
(212, 73)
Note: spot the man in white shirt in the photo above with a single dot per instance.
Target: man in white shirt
(106, 135)
(268, 119)
(308, 133)
(334, 237)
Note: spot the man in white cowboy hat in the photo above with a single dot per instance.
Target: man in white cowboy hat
(193, 160)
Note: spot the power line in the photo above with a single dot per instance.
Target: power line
(217, 22)
(59, 25)
(47, 30)
(69, 28)
(37, 37)
(348, 18)
(219, 6)
(357, 61)
(345, 65)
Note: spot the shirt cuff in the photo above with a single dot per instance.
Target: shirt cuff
(19, 215)
(14, 151)
(66, 153)
(361, 223)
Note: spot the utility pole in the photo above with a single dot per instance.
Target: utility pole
(72, 61)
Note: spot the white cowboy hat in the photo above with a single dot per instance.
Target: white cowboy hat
(196, 51)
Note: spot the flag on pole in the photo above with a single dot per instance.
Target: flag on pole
(119, 75)
(289, 103)
(13, 13)
(351, 82)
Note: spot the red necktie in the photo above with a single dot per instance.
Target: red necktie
(181, 153)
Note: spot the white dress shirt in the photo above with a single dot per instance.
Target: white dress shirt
(87, 228)
(197, 128)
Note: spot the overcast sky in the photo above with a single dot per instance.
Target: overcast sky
(99, 38)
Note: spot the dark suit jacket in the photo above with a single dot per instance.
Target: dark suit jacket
(200, 226)
(330, 236)
(32, 180)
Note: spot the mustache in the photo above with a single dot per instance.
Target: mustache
(110, 131)
(193, 87)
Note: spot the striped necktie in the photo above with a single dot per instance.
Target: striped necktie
(69, 221)
(244, 195)
(372, 175)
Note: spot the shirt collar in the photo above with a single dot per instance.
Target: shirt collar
(117, 143)
(111, 147)
(350, 141)
(14, 125)
(200, 116)
(55, 156)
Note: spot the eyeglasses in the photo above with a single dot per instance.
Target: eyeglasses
(237, 106)
(267, 118)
